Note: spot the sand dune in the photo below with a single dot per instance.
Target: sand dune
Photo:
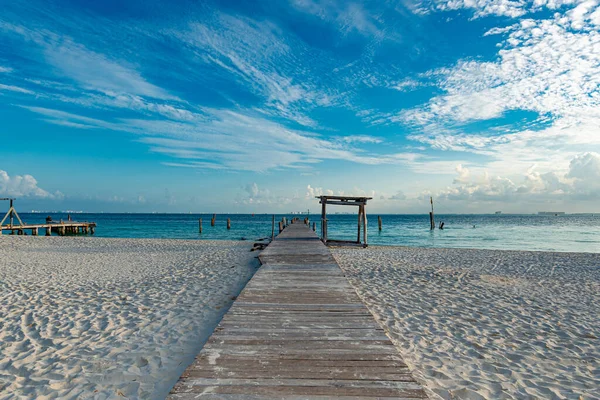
(479, 324)
(109, 318)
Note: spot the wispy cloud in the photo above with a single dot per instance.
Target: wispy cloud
(349, 16)
(17, 89)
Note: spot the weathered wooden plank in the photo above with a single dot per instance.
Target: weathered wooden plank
(225, 396)
(298, 330)
(297, 373)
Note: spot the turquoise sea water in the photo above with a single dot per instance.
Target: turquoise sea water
(576, 233)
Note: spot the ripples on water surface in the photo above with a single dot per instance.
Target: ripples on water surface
(576, 233)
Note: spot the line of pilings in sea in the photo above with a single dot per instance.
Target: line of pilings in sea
(282, 224)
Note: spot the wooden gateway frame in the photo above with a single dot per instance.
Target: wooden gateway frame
(361, 202)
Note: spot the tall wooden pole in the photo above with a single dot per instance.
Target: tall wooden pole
(200, 225)
(431, 216)
(11, 213)
(379, 221)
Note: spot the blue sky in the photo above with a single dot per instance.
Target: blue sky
(186, 106)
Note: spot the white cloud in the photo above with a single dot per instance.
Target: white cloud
(361, 139)
(580, 181)
(504, 8)
(348, 16)
(23, 186)
(15, 89)
(91, 70)
(545, 67)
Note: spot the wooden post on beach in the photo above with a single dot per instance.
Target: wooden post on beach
(273, 228)
(212, 221)
(228, 223)
(199, 225)
(379, 221)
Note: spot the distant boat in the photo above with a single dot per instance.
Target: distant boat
(498, 212)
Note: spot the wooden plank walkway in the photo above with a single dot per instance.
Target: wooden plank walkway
(298, 331)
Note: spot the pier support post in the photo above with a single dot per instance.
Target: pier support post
(314, 226)
(228, 223)
(49, 231)
(323, 221)
(199, 225)
(212, 221)
(273, 228)
(34, 231)
(360, 211)
(280, 226)
(365, 226)
(379, 222)
(92, 230)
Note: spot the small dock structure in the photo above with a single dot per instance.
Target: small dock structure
(60, 227)
(360, 202)
(298, 331)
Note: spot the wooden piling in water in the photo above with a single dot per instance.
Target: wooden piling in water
(213, 220)
(199, 225)
(314, 226)
(379, 221)
(228, 223)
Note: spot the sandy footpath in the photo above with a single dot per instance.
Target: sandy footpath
(109, 318)
(476, 324)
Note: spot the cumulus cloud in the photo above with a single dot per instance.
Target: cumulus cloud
(23, 186)
(312, 192)
(398, 196)
(581, 180)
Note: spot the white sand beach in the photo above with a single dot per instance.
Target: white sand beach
(476, 324)
(110, 318)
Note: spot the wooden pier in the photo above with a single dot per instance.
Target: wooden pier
(298, 331)
(61, 227)
(64, 228)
